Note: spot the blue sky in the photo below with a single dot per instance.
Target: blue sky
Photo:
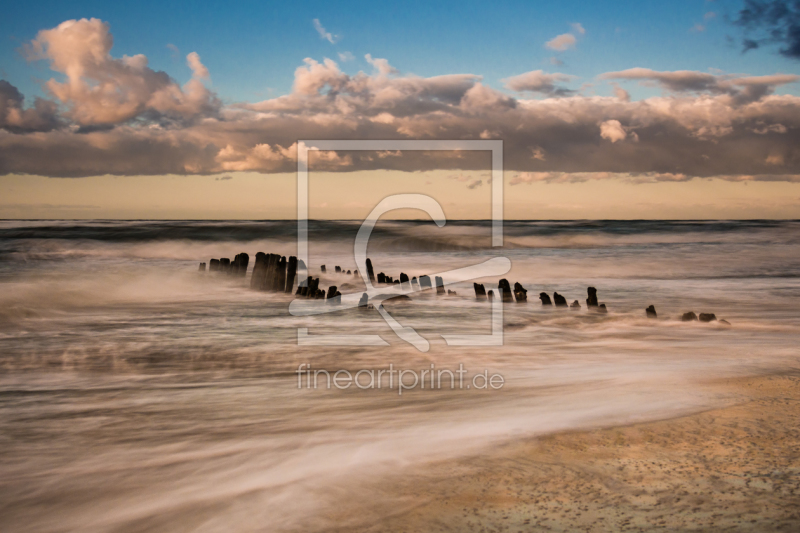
(253, 48)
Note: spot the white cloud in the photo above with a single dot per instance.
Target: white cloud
(199, 70)
(381, 65)
(612, 130)
(324, 34)
(174, 51)
(101, 89)
(346, 56)
(562, 42)
(578, 28)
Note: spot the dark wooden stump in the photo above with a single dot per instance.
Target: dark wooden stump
(370, 272)
(591, 301)
(291, 272)
(559, 300)
(504, 291)
(520, 293)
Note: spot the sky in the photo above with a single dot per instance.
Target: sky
(685, 109)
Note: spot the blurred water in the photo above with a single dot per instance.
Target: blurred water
(139, 395)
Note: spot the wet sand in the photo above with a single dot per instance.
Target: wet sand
(731, 469)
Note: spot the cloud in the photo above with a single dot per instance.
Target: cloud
(705, 125)
(612, 130)
(104, 90)
(771, 22)
(565, 41)
(324, 34)
(464, 178)
(697, 28)
(538, 153)
(346, 56)
(16, 119)
(709, 15)
(223, 178)
(621, 93)
(741, 89)
(381, 65)
(199, 70)
(174, 51)
(562, 42)
(529, 178)
(539, 81)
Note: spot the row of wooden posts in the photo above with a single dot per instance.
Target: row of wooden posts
(276, 273)
(520, 295)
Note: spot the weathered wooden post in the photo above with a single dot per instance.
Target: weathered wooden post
(480, 290)
(259, 269)
(313, 288)
(281, 279)
(370, 272)
(591, 301)
(244, 260)
(504, 288)
(291, 272)
(520, 293)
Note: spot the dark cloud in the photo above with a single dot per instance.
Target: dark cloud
(742, 89)
(772, 21)
(43, 116)
(540, 82)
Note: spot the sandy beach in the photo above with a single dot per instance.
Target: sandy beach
(730, 469)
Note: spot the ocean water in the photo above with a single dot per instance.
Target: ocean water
(137, 394)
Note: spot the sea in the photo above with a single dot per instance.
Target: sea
(138, 393)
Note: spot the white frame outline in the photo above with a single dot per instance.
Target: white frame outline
(493, 146)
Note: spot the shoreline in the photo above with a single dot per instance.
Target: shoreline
(732, 468)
